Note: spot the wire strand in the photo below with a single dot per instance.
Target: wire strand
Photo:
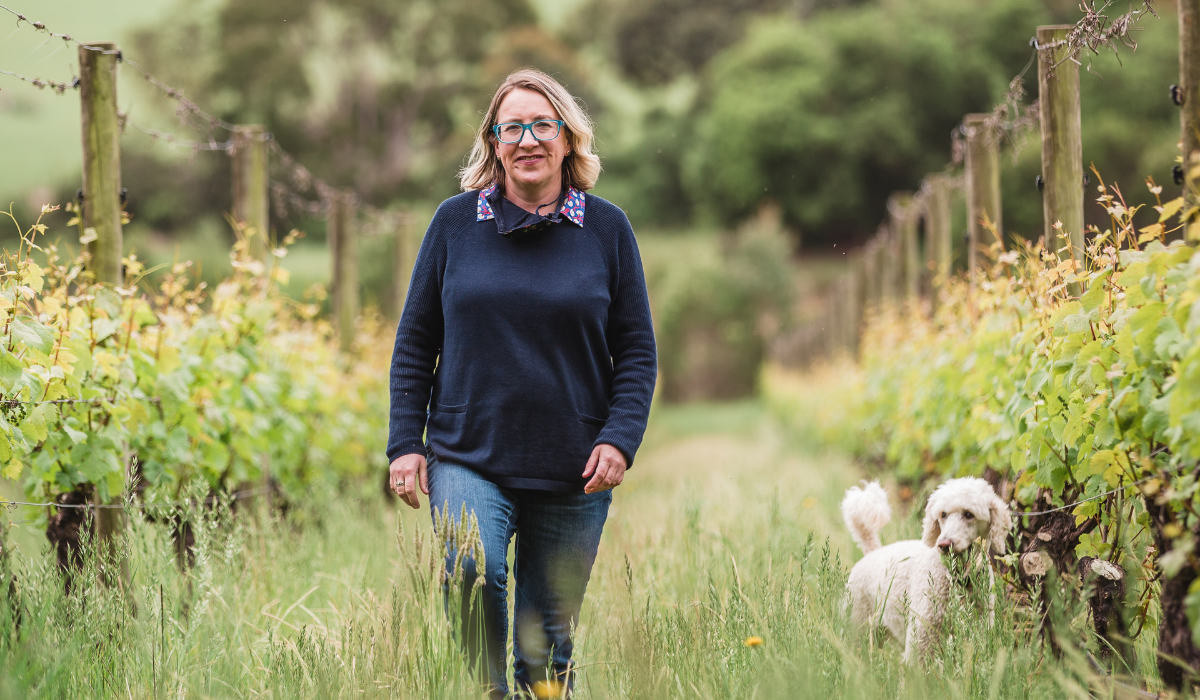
(299, 178)
(237, 495)
(1093, 498)
(186, 106)
(43, 83)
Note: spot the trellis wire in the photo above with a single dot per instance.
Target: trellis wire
(282, 193)
(1096, 30)
(302, 179)
(98, 400)
(41, 83)
(186, 106)
(1106, 493)
(173, 140)
(236, 495)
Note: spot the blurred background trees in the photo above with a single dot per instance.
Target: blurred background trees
(706, 109)
(709, 114)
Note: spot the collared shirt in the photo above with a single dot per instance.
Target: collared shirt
(516, 356)
(491, 202)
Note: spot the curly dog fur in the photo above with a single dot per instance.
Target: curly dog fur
(905, 585)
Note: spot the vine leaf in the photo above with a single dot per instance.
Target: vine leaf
(32, 334)
(10, 370)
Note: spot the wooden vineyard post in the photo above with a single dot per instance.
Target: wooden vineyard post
(251, 186)
(882, 266)
(853, 306)
(835, 327)
(1188, 98)
(888, 266)
(912, 252)
(983, 186)
(831, 320)
(937, 233)
(1062, 144)
(101, 206)
(343, 247)
(101, 159)
(251, 212)
(1178, 653)
(870, 273)
(921, 214)
(896, 260)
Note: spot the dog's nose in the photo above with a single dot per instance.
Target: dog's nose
(944, 545)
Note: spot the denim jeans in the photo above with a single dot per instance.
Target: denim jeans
(557, 538)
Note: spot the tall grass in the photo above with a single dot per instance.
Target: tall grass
(718, 535)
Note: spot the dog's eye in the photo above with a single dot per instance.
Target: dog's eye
(943, 515)
(968, 515)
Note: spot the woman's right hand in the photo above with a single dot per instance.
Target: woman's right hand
(406, 472)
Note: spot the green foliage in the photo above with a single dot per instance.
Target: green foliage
(714, 313)
(103, 386)
(830, 112)
(828, 116)
(1130, 127)
(382, 96)
(1087, 400)
(712, 546)
(657, 41)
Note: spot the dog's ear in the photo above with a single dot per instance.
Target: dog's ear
(1001, 524)
(931, 528)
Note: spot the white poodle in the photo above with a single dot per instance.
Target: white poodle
(905, 585)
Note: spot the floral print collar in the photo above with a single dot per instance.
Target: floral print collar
(572, 206)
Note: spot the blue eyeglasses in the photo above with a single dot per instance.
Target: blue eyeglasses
(542, 130)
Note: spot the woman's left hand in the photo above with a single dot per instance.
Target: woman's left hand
(606, 467)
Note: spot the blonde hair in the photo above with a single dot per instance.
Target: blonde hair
(580, 168)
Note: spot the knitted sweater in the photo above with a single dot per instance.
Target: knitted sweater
(517, 355)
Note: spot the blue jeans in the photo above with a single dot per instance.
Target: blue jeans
(557, 538)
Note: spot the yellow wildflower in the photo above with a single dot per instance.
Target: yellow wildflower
(548, 689)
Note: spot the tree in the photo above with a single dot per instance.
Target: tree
(827, 117)
(378, 95)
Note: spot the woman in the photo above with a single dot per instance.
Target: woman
(525, 355)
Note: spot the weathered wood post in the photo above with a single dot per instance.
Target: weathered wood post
(1179, 656)
(871, 273)
(921, 205)
(1188, 98)
(102, 194)
(251, 185)
(889, 265)
(940, 223)
(1062, 144)
(896, 262)
(912, 251)
(882, 246)
(854, 304)
(983, 186)
(830, 322)
(937, 233)
(343, 248)
(101, 159)
(252, 212)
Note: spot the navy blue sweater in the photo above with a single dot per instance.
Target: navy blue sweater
(517, 355)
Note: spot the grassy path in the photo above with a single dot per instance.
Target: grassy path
(723, 531)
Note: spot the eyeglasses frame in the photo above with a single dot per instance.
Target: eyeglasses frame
(528, 127)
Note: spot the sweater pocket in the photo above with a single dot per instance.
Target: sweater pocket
(457, 408)
(592, 420)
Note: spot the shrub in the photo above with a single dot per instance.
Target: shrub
(715, 313)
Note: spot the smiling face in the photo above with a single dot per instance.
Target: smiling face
(530, 166)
